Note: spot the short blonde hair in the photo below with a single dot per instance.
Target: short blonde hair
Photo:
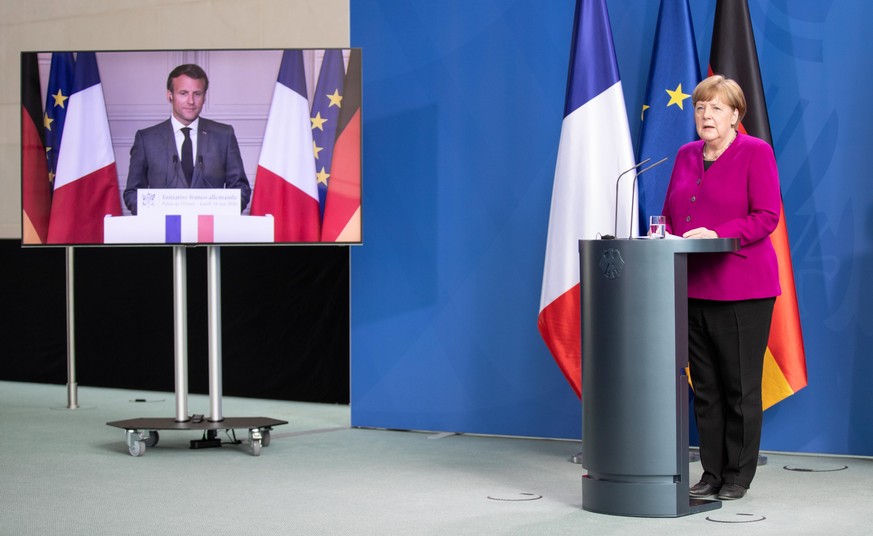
(727, 91)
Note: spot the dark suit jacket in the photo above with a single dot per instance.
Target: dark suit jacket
(154, 161)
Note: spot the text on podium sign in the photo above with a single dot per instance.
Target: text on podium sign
(188, 201)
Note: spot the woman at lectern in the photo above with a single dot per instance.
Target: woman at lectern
(726, 185)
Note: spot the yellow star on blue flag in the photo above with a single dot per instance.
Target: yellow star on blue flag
(676, 96)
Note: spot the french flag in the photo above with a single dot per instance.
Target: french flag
(285, 182)
(594, 149)
(86, 183)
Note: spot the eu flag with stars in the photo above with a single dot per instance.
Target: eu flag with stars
(58, 91)
(326, 105)
(667, 114)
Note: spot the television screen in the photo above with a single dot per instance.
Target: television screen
(170, 147)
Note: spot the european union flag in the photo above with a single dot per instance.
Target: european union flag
(667, 114)
(326, 105)
(59, 89)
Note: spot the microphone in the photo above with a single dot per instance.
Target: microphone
(634, 191)
(617, 181)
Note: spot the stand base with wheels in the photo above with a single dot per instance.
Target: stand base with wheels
(143, 432)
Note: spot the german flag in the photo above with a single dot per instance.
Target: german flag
(35, 189)
(734, 55)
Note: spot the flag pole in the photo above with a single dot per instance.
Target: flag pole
(72, 387)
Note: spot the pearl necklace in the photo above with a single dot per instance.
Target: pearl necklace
(720, 152)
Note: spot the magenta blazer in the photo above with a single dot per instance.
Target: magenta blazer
(738, 197)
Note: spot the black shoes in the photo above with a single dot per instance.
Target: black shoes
(731, 492)
(702, 489)
(727, 492)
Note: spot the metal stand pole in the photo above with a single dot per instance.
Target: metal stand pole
(72, 386)
(214, 311)
(180, 331)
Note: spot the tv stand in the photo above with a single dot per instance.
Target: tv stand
(143, 432)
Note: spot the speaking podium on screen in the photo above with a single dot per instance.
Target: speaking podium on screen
(634, 299)
(188, 216)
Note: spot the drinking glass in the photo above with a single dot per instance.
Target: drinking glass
(657, 226)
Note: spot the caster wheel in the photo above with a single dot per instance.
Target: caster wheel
(137, 448)
(152, 439)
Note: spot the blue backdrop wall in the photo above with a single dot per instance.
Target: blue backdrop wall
(463, 104)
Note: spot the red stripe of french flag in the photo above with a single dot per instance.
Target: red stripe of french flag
(205, 229)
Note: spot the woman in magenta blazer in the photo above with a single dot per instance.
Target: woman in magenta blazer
(726, 185)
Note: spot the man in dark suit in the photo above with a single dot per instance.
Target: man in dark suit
(186, 150)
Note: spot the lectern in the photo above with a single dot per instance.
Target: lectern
(634, 299)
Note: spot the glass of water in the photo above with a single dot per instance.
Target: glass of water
(657, 226)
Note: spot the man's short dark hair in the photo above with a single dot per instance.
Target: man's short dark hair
(191, 71)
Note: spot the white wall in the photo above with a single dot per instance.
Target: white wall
(44, 25)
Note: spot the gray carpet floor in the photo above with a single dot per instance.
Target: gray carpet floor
(65, 471)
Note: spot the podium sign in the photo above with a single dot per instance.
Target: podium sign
(188, 201)
(634, 300)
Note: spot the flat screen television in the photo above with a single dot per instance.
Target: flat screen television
(182, 147)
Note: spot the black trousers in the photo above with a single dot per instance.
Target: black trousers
(726, 345)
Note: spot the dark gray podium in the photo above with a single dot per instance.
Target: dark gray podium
(634, 389)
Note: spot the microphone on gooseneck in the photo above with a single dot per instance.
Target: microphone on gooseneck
(617, 181)
(634, 191)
